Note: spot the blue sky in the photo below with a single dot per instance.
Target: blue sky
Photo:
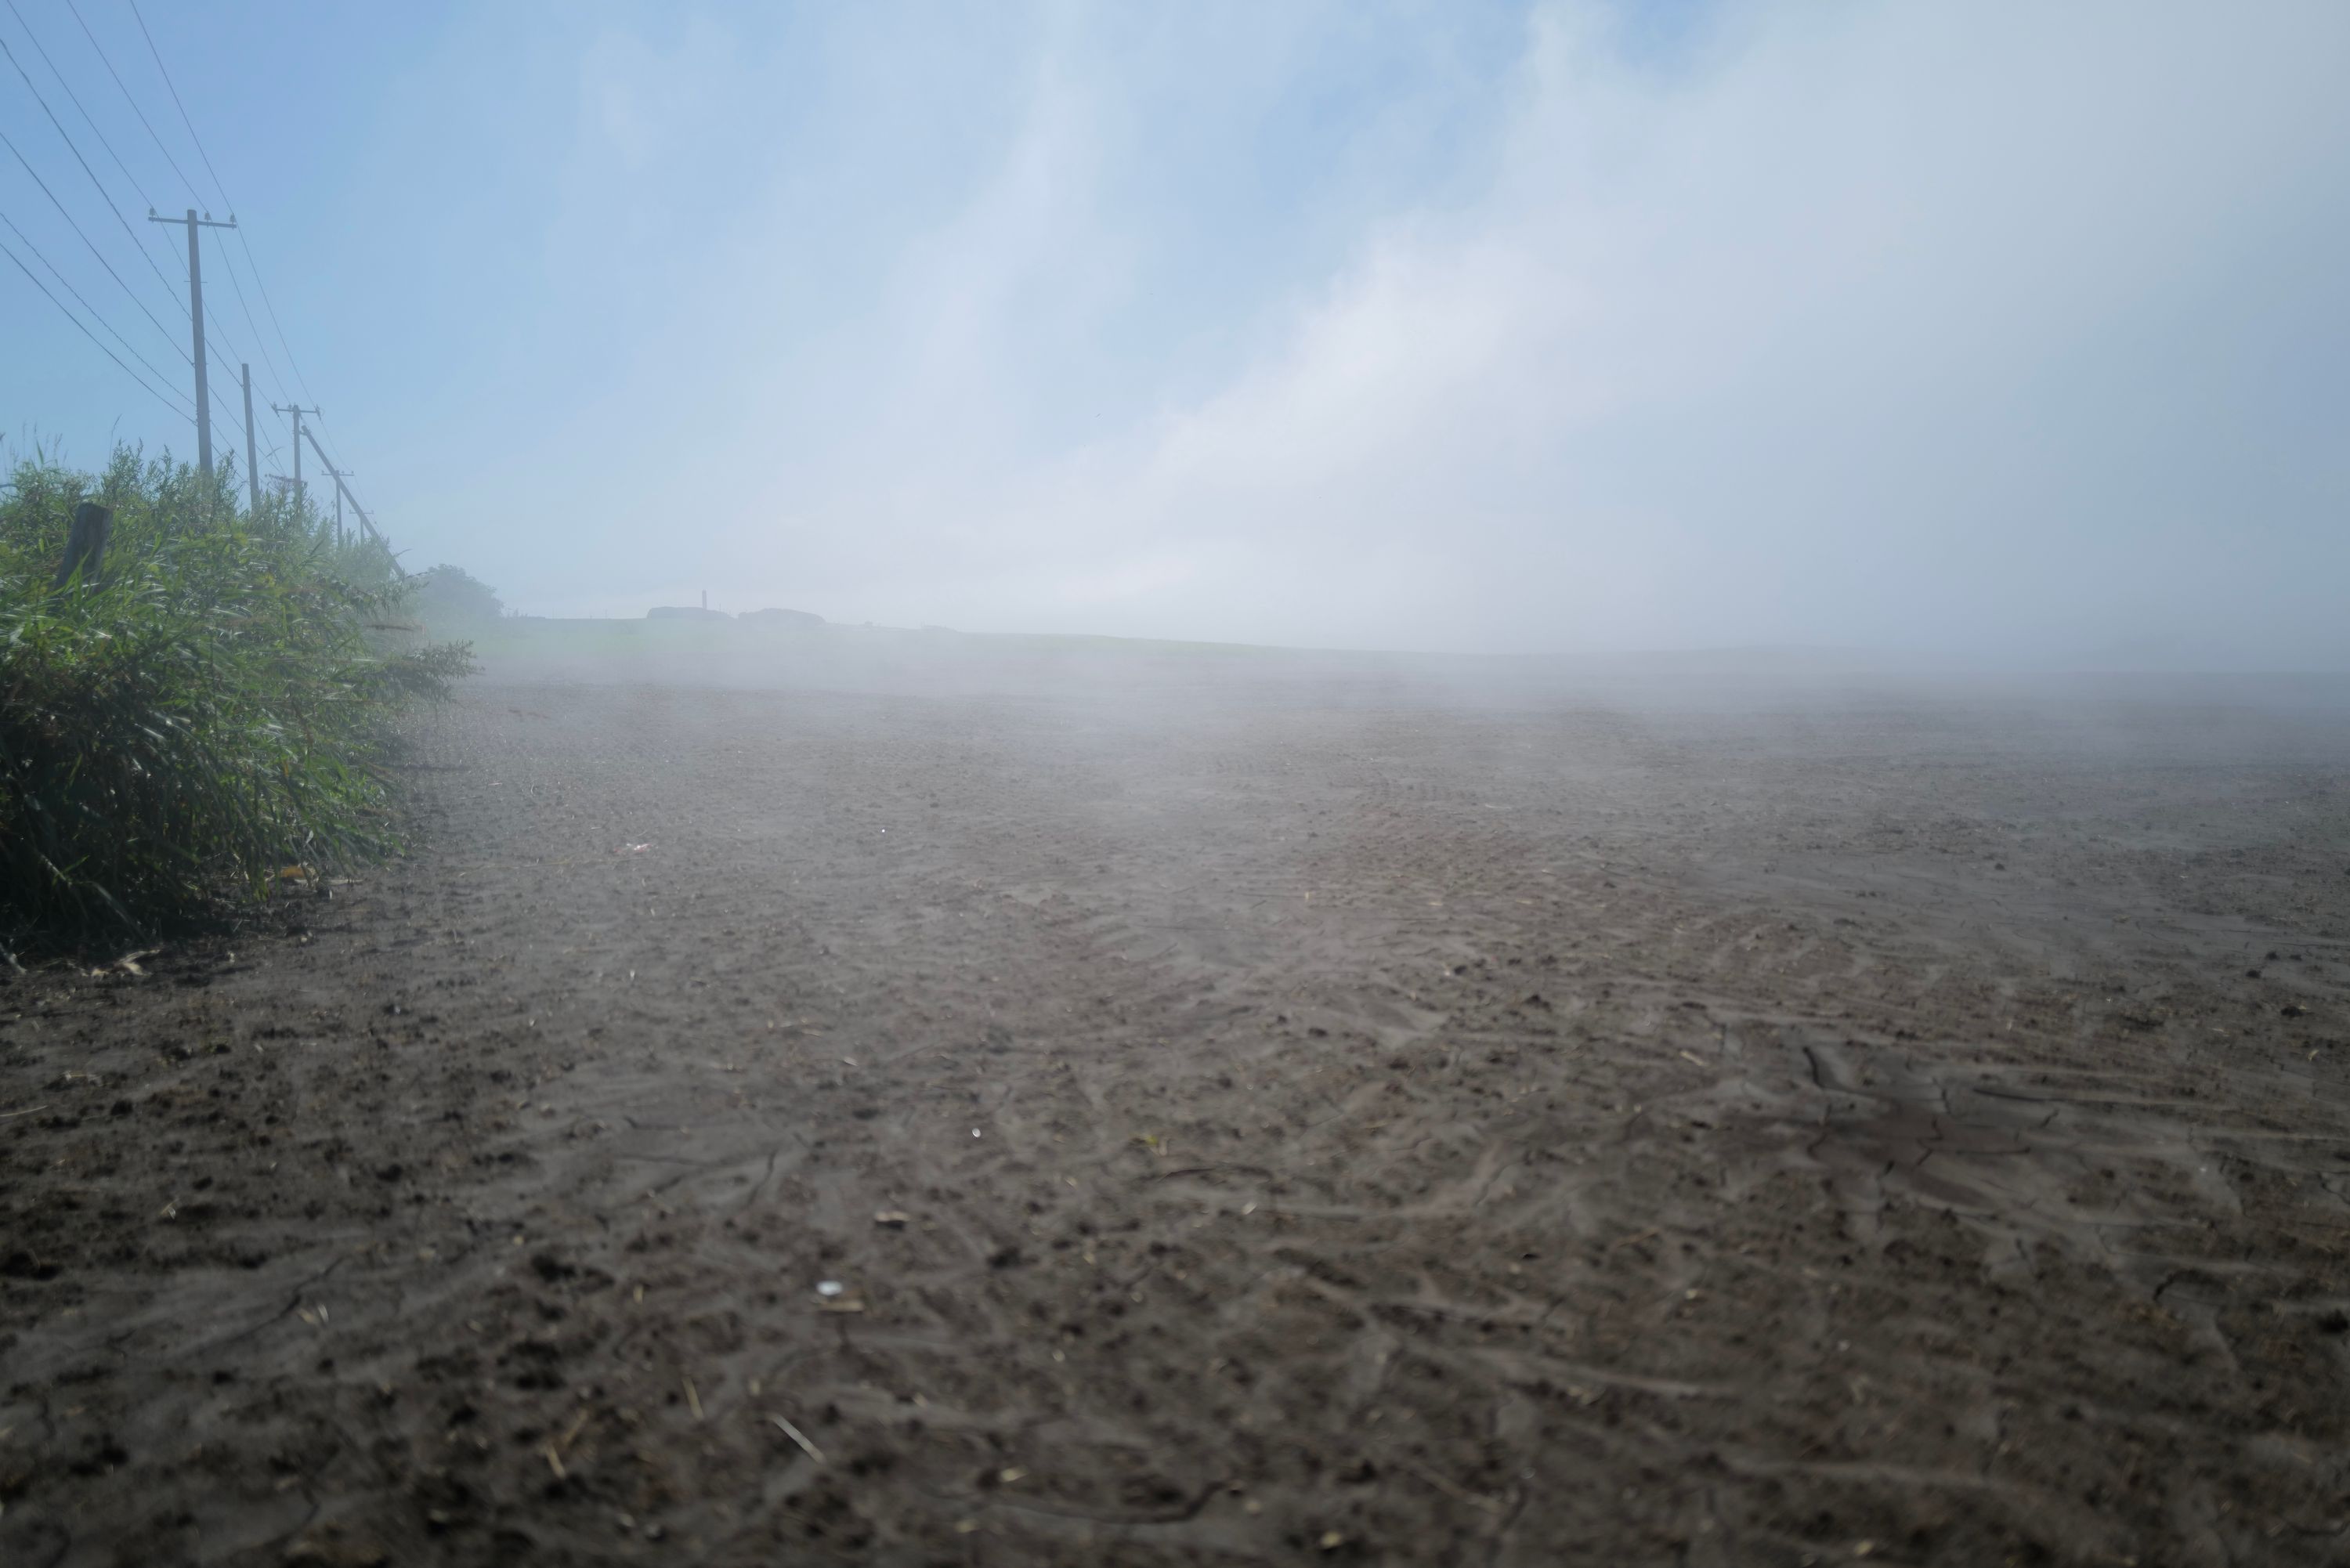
(1991, 327)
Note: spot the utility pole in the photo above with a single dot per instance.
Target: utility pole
(197, 329)
(252, 465)
(298, 411)
(340, 475)
(343, 493)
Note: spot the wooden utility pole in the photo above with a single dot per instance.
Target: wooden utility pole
(197, 330)
(86, 543)
(298, 411)
(342, 490)
(252, 465)
(340, 475)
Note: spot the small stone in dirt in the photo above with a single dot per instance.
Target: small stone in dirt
(891, 1219)
(1005, 1257)
(550, 1267)
(391, 1172)
(2292, 1010)
(328, 1549)
(828, 1288)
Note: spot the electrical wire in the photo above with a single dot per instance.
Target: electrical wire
(63, 282)
(86, 240)
(190, 186)
(141, 239)
(88, 118)
(229, 260)
(221, 190)
(218, 189)
(129, 98)
(258, 336)
(99, 184)
(186, 357)
(218, 331)
(182, 107)
(267, 305)
(86, 332)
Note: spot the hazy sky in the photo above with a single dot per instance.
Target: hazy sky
(2014, 328)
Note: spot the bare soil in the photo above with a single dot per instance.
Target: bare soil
(1290, 1124)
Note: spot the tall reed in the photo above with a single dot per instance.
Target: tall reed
(214, 708)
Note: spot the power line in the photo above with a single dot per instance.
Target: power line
(234, 351)
(184, 112)
(86, 168)
(88, 118)
(108, 198)
(218, 189)
(197, 316)
(246, 245)
(133, 101)
(220, 405)
(77, 228)
(99, 132)
(86, 332)
(320, 425)
(270, 307)
(189, 184)
(257, 337)
(221, 190)
(63, 282)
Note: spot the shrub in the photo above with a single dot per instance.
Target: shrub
(212, 710)
(451, 596)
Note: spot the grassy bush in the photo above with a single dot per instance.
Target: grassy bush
(214, 709)
(451, 598)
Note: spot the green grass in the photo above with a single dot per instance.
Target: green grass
(214, 709)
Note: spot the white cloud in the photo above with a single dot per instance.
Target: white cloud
(1963, 325)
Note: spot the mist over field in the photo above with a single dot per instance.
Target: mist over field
(1130, 786)
(2002, 331)
(1997, 333)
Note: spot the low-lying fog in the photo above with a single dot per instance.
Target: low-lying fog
(1996, 332)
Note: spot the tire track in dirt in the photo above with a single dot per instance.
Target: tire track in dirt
(1321, 1131)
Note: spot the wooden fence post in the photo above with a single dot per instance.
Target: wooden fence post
(86, 544)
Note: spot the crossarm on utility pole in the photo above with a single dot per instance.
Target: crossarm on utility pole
(296, 410)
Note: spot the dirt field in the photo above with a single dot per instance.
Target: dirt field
(1298, 1121)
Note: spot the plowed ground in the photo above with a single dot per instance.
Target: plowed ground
(1289, 1125)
